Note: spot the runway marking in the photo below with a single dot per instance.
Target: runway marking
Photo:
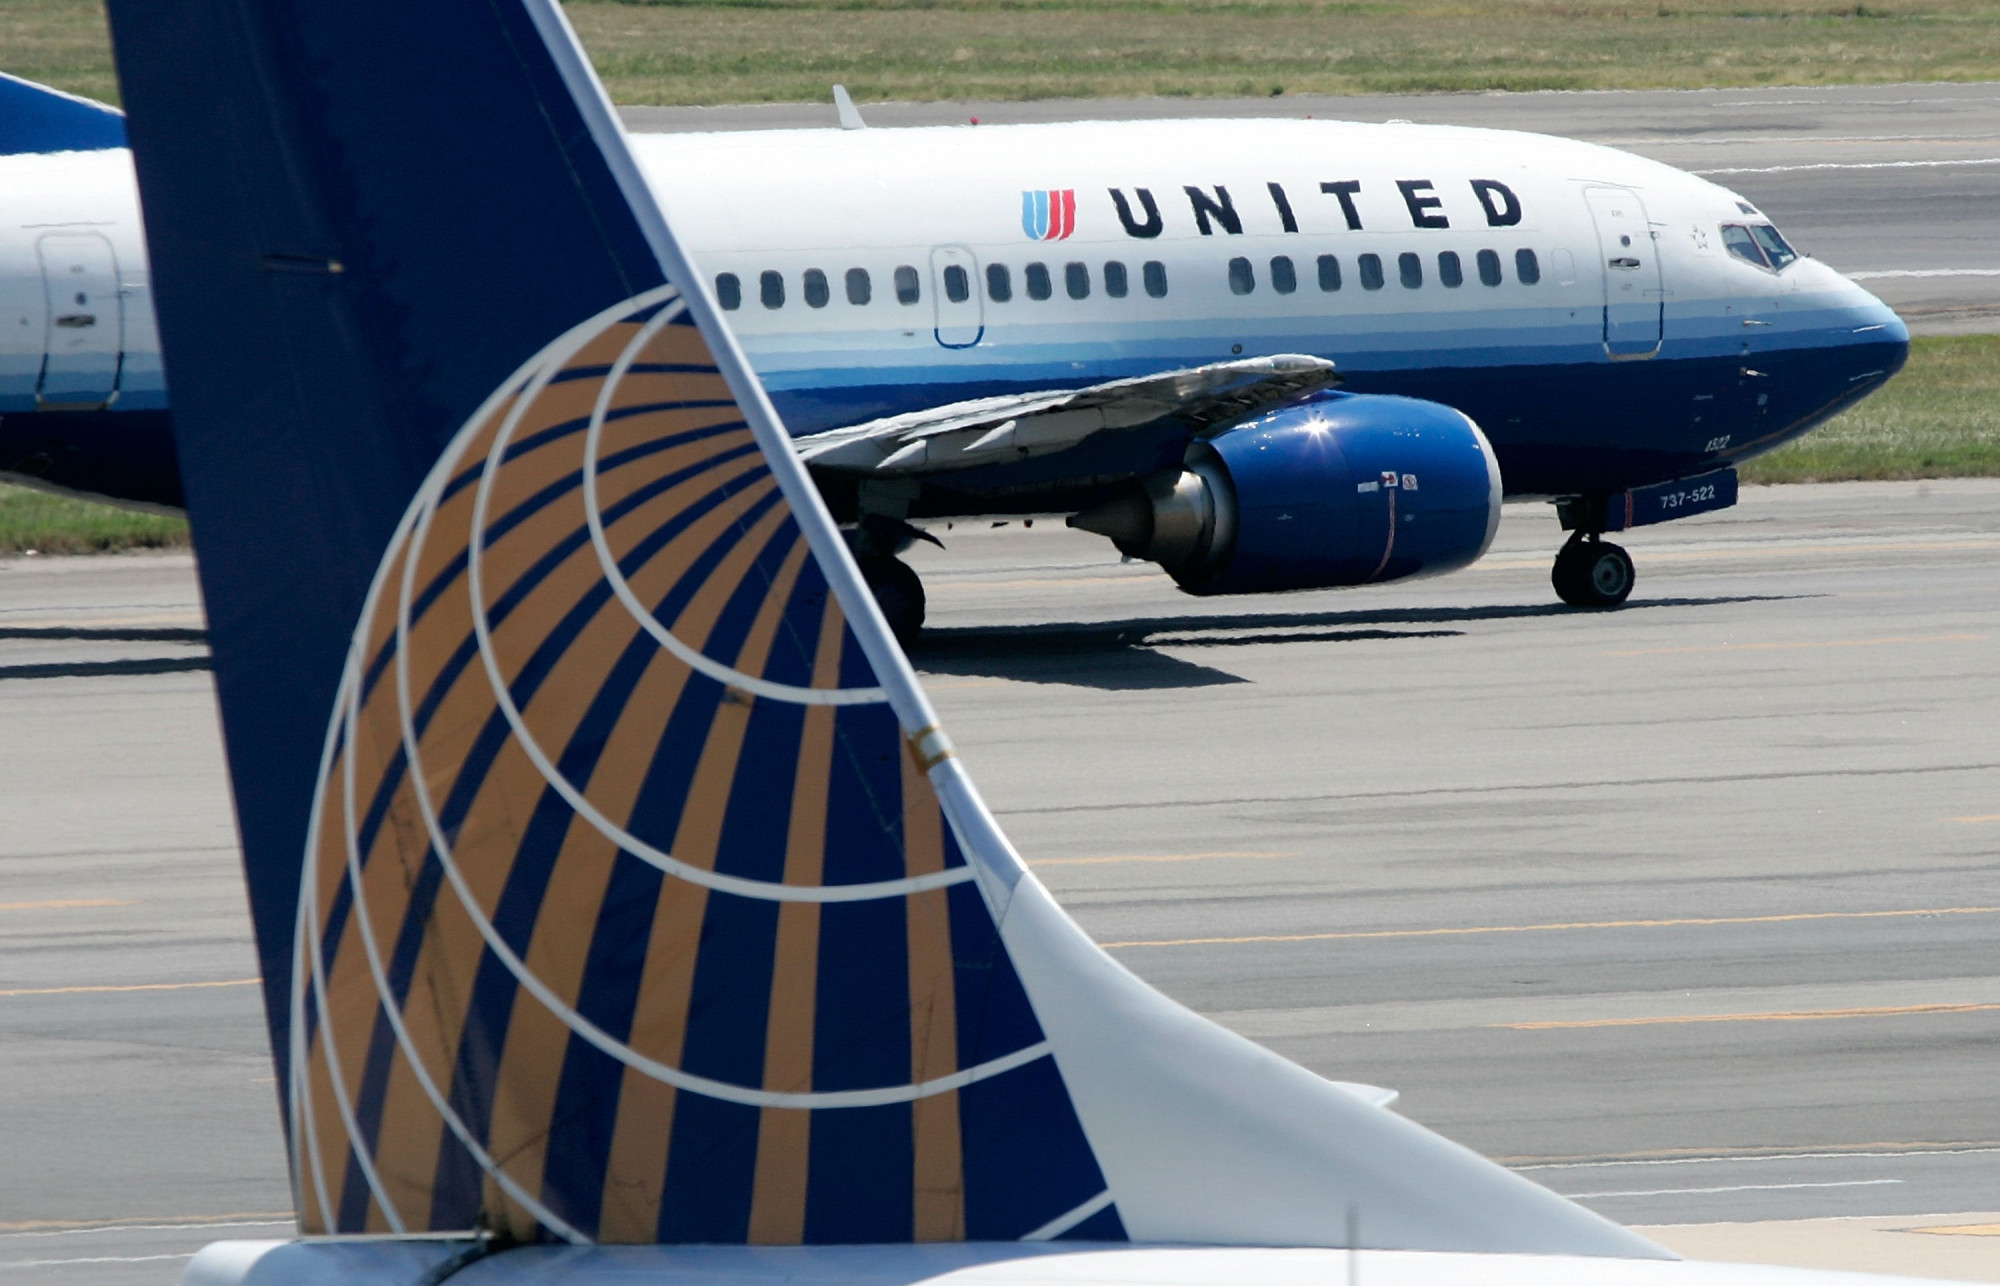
(129, 986)
(1854, 165)
(1976, 817)
(1733, 1187)
(244, 1217)
(1763, 551)
(1755, 1152)
(1555, 927)
(1788, 647)
(1880, 274)
(1149, 857)
(67, 904)
(194, 1222)
(1960, 1230)
(1775, 1016)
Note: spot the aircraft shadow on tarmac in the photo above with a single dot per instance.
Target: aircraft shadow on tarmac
(1124, 655)
(104, 634)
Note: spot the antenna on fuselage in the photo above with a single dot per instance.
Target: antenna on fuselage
(850, 118)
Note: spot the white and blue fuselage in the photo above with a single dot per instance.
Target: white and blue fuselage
(1610, 322)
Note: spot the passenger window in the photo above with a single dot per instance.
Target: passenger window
(957, 284)
(907, 291)
(1450, 272)
(859, 289)
(1489, 268)
(1410, 268)
(1114, 279)
(816, 291)
(771, 289)
(1036, 275)
(1527, 267)
(1076, 280)
(1155, 274)
(1329, 273)
(1284, 277)
(1241, 280)
(999, 288)
(1371, 271)
(728, 291)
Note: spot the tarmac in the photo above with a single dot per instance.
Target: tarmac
(1686, 910)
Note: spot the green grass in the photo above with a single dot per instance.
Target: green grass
(721, 51)
(1939, 418)
(46, 524)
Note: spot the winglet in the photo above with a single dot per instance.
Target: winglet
(850, 116)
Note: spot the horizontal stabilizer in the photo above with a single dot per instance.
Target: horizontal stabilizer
(35, 118)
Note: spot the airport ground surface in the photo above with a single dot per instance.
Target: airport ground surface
(1687, 909)
(1900, 180)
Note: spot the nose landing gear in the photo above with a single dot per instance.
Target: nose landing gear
(1590, 571)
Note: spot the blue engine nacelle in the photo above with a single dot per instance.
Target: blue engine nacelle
(1341, 489)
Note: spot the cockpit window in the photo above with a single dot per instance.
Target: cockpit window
(1758, 243)
(1776, 249)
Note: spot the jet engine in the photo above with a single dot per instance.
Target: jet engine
(1340, 489)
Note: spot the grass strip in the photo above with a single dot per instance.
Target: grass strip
(45, 524)
(1939, 418)
(721, 51)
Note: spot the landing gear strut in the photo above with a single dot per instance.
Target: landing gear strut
(876, 540)
(1590, 571)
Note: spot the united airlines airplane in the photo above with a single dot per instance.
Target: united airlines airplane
(624, 914)
(1141, 325)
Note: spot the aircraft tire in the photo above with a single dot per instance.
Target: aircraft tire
(899, 592)
(1593, 573)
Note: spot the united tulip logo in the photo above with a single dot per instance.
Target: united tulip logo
(1049, 214)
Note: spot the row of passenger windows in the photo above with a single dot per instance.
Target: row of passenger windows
(1038, 282)
(1284, 275)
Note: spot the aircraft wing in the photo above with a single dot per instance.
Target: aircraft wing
(988, 430)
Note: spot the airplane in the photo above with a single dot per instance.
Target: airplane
(623, 911)
(1150, 327)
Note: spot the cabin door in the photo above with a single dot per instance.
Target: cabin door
(1629, 259)
(85, 328)
(961, 319)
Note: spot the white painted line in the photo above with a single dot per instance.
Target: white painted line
(100, 1229)
(1854, 165)
(1921, 272)
(1739, 1160)
(100, 1259)
(1733, 1187)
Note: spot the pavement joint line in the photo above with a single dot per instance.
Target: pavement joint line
(1725, 1155)
(1557, 926)
(1751, 549)
(1775, 1016)
(1733, 1187)
(1151, 857)
(67, 904)
(128, 986)
(84, 1230)
(1787, 647)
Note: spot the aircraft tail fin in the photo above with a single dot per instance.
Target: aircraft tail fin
(612, 878)
(35, 118)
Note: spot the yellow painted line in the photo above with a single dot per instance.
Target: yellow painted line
(130, 986)
(66, 904)
(1788, 647)
(143, 1221)
(1960, 1230)
(1148, 857)
(1130, 578)
(1776, 1016)
(1558, 926)
(1978, 817)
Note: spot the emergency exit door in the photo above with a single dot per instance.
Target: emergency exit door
(84, 334)
(955, 293)
(1629, 261)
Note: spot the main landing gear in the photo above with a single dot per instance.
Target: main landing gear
(899, 592)
(1590, 571)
